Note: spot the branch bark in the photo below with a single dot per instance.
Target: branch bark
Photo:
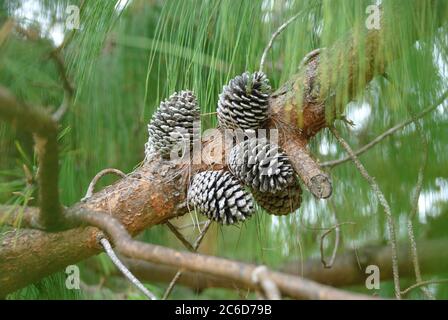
(348, 268)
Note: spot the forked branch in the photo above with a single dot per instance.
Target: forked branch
(382, 199)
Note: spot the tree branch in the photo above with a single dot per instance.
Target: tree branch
(389, 132)
(382, 199)
(38, 122)
(110, 252)
(294, 287)
(194, 248)
(348, 268)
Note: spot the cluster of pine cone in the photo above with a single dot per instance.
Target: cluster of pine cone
(254, 164)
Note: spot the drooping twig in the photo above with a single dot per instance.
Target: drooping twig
(194, 248)
(97, 177)
(422, 284)
(414, 207)
(110, 252)
(336, 244)
(179, 236)
(69, 90)
(382, 199)
(277, 33)
(388, 132)
(44, 129)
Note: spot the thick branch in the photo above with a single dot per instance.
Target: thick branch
(348, 268)
(308, 169)
(243, 273)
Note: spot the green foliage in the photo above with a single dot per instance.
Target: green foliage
(124, 63)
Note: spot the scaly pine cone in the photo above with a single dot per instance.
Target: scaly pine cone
(282, 202)
(261, 165)
(220, 196)
(243, 103)
(172, 124)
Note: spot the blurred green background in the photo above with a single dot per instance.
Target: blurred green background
(127, 56)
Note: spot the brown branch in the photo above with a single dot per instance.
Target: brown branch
(336, 244)
(38, 122)
(294, 287)
(308, 169)
(348, 268)
(382, 199)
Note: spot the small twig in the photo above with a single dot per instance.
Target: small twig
(208, 114)
(56, 56)
(69, 90)
(382, 199)
(414, 208)
(97, 177)
(416, 196)
(180, 236)
(310, 55)
(191, 225)
(194, 248)
(110, 252)
(388, 132)
(270, 289)
(421, 284)
(275, 35)
(336, 244)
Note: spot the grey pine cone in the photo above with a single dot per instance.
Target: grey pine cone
(172, 124)
(261, 165)
(220, 196)
(243, 103)
(282, 202)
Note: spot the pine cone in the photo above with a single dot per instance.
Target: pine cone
(172, 124)
(243, 103)
(261, 165)
(282, 202)
(219, 196)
